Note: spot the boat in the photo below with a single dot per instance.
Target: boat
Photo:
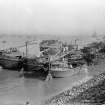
(64, 72)
(67, 64)
(65, 61)
(33, 67)
(10, 60)
(30, 64)
(61, 70)
(13, 59)
(9, 63)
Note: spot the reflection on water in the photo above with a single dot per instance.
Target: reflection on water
(16, 89)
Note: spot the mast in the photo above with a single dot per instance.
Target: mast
(49, 76)
(26, 43)
(76, 44)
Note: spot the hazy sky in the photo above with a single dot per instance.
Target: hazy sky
(58, 17)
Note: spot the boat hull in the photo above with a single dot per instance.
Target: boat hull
(30, 68)
(64, 73)
(32, 64)
(9, 63)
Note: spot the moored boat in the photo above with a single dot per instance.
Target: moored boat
(66, 61)
(10, 63)
(33, 65)
(10, 60)
(62, 69)
(64, 72)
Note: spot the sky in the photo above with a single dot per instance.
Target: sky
(52, 17)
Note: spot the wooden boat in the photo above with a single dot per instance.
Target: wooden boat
(10, 62)
(63, 66)
(33, 64)
(62, 69)
(64, 72)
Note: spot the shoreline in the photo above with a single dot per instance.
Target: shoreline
(66, 97)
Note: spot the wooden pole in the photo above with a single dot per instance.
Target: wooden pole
(76, 44)
(22, 69)
(49, 63)
(26, 48)
(49, 76)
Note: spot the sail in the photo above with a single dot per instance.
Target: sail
(33, 49)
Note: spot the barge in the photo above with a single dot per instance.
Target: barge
(11, 60)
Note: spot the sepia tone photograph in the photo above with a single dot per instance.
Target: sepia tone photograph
(52, 52)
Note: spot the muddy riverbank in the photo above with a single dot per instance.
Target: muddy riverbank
(91, 92)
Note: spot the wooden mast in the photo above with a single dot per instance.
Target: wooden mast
(26, 48)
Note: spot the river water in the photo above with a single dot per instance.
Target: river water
(16, 89)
